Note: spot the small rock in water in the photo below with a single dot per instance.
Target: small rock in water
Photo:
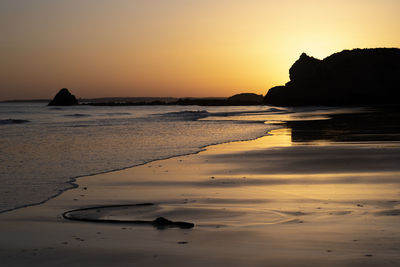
(63, 98)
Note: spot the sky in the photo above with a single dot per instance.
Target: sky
(178, 48)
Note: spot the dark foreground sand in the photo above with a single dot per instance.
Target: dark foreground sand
(266, 202)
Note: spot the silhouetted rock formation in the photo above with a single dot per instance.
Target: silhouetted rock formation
(245, 99)
(350, 77)
(63, 98)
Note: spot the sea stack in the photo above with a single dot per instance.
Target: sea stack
(63, 98)
(350, 77)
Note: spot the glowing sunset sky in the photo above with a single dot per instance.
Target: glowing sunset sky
(99, 48)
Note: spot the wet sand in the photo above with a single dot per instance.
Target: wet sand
(265, 202)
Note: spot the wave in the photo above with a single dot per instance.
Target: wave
(185, 135)
(115, 114)
(77, 115)
(12, 121)
(249, 112)
(200, 114)
(79, 126)
(186, 115)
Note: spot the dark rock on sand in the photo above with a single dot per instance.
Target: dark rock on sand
(245, 99)
(63, 98)
(350, 77)
(86, 215)
(162, 223)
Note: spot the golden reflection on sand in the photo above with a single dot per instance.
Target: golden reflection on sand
(199, 187)
(275, 138)
(246, 203)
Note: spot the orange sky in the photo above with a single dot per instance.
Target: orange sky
(99, 48)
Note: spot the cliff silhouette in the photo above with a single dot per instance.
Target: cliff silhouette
(350, 77)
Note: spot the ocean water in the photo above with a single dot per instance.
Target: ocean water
(43, 149)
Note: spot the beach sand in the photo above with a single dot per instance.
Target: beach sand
(265, 202)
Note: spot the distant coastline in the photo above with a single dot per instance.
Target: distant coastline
(150, 101)
(65, 98)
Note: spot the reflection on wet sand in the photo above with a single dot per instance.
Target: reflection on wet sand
(368, 125)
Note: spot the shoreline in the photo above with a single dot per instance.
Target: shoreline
(72, 181)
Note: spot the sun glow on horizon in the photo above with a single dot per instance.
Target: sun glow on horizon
(177, 48)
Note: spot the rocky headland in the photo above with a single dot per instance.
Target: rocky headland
(350, 77)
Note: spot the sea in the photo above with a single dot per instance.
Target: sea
(44, 149)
